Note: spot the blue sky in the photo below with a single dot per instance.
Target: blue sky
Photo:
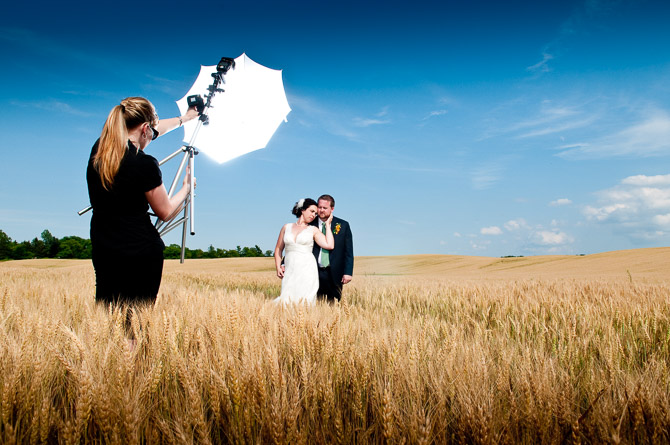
(473, 128)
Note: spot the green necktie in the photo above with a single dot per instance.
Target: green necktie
(325, 255)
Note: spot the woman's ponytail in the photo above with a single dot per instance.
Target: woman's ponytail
(131, 112)
(112, 147)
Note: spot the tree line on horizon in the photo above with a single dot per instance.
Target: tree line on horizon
(74, 247)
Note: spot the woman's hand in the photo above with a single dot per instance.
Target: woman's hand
(187, 180)
(325, 241)
(191, 114)
(167, 125)
(279, 249)
(165, 207)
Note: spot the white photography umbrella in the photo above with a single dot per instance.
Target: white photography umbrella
(244, 116)
(245, 103)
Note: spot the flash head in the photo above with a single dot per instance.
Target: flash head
(225, 64)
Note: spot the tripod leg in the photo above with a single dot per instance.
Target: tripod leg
(159, 224)
(192, 192)
(183, 236)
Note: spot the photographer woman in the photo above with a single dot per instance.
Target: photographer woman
(123, 182)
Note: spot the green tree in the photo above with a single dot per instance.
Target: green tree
(38, 248)
(74, 247)
(6, 244)
(22, 251)
(173, 251)
(51, 243)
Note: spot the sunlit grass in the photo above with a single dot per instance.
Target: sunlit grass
(403, 359)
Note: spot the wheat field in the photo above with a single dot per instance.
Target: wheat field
(422, 350)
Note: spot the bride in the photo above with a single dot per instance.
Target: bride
(299, 273)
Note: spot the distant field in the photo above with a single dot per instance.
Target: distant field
(424, 349)
(649, 265)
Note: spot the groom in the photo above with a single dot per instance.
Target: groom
(335, 266)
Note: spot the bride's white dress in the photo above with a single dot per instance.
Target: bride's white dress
(301, 276)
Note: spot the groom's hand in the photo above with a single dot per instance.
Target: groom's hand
(346, 279)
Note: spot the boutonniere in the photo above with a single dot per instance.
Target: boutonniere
(337, 228)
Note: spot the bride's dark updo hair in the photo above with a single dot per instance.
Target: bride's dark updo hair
(302, 205)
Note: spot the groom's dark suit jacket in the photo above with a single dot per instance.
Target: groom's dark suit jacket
(342, 256)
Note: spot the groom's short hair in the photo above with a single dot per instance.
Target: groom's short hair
(328, 198)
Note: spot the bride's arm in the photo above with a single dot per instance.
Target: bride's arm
(279, 249)
(325, 241)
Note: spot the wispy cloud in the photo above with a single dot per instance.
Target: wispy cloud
(162, 84)
(486, 176)
(51, 105)
(377, 119)
(35, 42)
(435, 113)
(560, 127)
(543, 65)
(580, 20)
(310, 113)
(367, 122)
(648, 137)
(547, 114)
(551, 118)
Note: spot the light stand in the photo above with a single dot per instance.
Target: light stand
(189, 151)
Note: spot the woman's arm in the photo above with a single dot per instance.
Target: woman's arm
(165, 207)
(325, 241)
(167, 125)
(279, 249)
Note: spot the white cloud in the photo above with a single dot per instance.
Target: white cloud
(480, 245)
(603, 213)
(662, 220)
(493, 230)
(647, 180)
(551, 238)
(639, 206)
(560, 202)
(516, 224)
